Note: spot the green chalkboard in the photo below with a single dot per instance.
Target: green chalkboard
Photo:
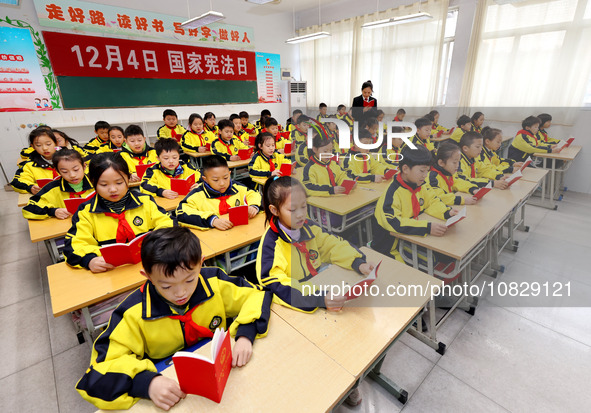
(104, 92)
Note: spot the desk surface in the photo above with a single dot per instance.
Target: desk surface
(358, 335)
(360, 196)
(23, 199)
(286, 373)
(199, 154)
(238, 164)
(567, 154)
(237, 237)
(534, 174)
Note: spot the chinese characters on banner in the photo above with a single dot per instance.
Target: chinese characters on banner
(268, 77)
(93, 17)
(90, 56)
(21, 83)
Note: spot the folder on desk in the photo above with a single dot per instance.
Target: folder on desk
(514, 178)
(121, 253)
(140, 170)
(483, 191)
(456, 218)
(238, 215)
(245, 154)
(182, 186)
(72, 204)
(359, 288)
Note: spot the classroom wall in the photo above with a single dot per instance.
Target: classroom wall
(271, 28)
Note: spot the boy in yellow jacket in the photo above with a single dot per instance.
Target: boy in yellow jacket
(363, 164)
(171, 127)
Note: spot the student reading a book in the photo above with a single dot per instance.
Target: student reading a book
(371, 125)
(157, 179)
(101, 128)
(115, 215)
(474, 170)
(299, 138)
(64, 141)
(210, 123)
(526, 143)
(444, 180)
(171, 127)
(545, 123)
(477, 120)
(246, 125)
(39, 165)
(115, 142)
(238, 132)
(196, 139)
(362, 164)
(291, 122)
(493, 139)
(181, 303)
(421, 138)
(204, 206)
(436, 127)
(49, 201)
(342, 114)
(322, 111)
(272, 126)
(391, 157)
(227, 146)
(26, 153)
(260, 124)
(266, 162)
(464, 125)
(136, 151)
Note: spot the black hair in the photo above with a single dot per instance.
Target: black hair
(430, 117)
(35, 133)
(66, 154)
(103, 161)
(234, 116)
(208, 115)
(167, 145)
(364, 134)
(265, 112)
(44, 127)
(446, 150)
(468, 138)
(71, 141)
(170, 249)
(367, 84)
(119, 128)
(322, 105)
(192, 118)
(243, 114)
(400, 112)
(476, 116)
(213, 161)
(341, 106)
(434, 113)
(297, 111)
(414, 157)
(319, 140)
(544, 117)
(133, 130)
(270, 122)
(225, 123)
(276, 191)
(370, 122)
(303, 118)
(462, 120)
(261, 138)
(169, 112)
(488, 133)
(379, 112)
(530, 121)
(101, 124)
(420, 122)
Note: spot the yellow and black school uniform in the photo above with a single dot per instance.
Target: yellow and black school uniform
(390, 157)
(475, 171)
(227, 149)
(215, 130)
(242, 136)
(97, 223)
(145, 328)
(364, 166)
(319, 116)
(444, 185)
(27, 175)
(192, 141)
(489, 157)
(347, 118)
(474, 128)
(300, 147)
(320, 178)
(157, 179)
(92, 146)
(249, 128)
(109, 147)
(436, 128)
(165, 131)
(289, 259)
(457, 134)
(52, 196)
(26, 155)
(420, 142)
(526, 143)
(542, 136)
(147, 156)
(261, 167)
(397, 211)
(204, 204)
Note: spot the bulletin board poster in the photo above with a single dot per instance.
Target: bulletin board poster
(268, 77)
(22, 87)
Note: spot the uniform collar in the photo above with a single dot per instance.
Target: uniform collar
(441, 170)
(464, 157)
(98, 205)
(40, 161)
(487, 152)
(306, 233)
(66, 187)
(212, 193)
(144, 153)
(154, 306)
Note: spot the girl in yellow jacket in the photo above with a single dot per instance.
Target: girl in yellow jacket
(545, 123)
(210, 124)
(64, 141)
(196, 139)
(136, 151)
(464, 125)
(40, 165)
(493, 139)
(115, 215)
(115, 142)
(266, 162)
(293, 248)
(477, 121)
(526, 142)
(49, 202)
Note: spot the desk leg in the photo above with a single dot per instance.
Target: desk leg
(54, 254)
(387, 384)
(228, 262)
(522, 226)
(89, 324)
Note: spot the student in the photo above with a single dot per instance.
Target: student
(299, 137)
(400, 114)
(421, 138)
(181, 303)
(266, 162)
(404, 200)
(272, 126)
(436, 127)
(114, 215)
(227, 146)
(136, 151)
(391, 157)
(238, 132)
(342, 114)
(322, 176)
(171, 127)
(464, 125)
(322, 108)
(362, 164)
(372, 126)
(40, 165)
(49, 201)
(115, 142)
(64, 141)
(260, 124)
(26, 153)
(246, 125)
(332, 132)
(545, 123)
(472, 169)
(210, 123)
(101, 128)
(204, 205)
(291, 122)
(444, 180)
(477, 120)
(195, 140)
(493, 138)
(156, 180)
(526, 142)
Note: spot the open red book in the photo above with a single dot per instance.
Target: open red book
(358, 288)
(245, 154)
(208, 147)
(286, 169)
(514, 178)
(284, 135)
(451, 130)
(42, 182)
(288, 147)
(483, 191)
(348, 185)
(202, 376)
(439, 134)
(525, 164)
(238, 215)
(569, 142)
(182, 186)
(371, 103)
(72, 204)
(251, 140)
(390, 173)
(456, 218)
(119, 254)
(117, 150)
(140, 170)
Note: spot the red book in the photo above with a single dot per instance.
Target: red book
(42, 182)
(117, 150)
(245, 154)
(284, 135)
(287, 147)
(359, 288)
(439, 134)
(483, 191)
(569, 141)
(451, 130)
(182, 186)
(456, 218)
(348, 185)
(238, 215)
(286, 169)
(208, 147)
(390, 173)
(72, 204)
(514, 178)
(251, 140)
(202, 376)
(371, 103)
(119, 254)
(526, 163)
(140, 170)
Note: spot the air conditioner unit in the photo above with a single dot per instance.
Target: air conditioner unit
(298, 94)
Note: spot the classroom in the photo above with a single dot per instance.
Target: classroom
(295, 206)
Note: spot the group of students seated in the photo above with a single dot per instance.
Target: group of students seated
(182, 301)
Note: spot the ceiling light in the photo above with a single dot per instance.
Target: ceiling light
(203, 20)
(260, 1)
(307, 37)
(398, 20)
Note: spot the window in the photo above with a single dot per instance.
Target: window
(446, 54)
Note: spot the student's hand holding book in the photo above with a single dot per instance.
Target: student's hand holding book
(134, 178)
(379, 178)
(195, 185)
(241, 352)
(366, 268)
(556, 149)
(165, 392)
(222, 224)
(517, 166)
(234, 158)
(252, 212)
(276, 172)
(202, 149)
(62, 213)
(334, 302)
(501, 184)
(338, 190)
(169, 194)
(35, 189)
(470, 200)
(99, 264)
(438, 229)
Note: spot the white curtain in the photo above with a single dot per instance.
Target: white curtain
(402, 61)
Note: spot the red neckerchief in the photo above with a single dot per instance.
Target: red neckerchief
(396, 119)
(544, 134)
(449, 179)
(77, 194)
(228, 146)
(476, 128)
(193, 331)
(528, 133)
(365, 168)
(201, 140)
(416, 207)
(271, 163)
(301, 247)
(472, 166)
(124, 231)
(331, 177)
(224, 206)
(173, 133)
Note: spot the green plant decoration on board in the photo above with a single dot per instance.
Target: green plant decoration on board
(50, 82)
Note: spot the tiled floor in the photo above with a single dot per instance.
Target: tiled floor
(505, 358)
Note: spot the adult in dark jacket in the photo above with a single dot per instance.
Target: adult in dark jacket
(364, 106)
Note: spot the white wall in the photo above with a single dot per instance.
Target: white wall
(271, 31)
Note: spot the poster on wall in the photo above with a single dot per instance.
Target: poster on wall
(22, 87)
(268, 77)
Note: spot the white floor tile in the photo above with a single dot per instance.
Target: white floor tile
(30, 390)
(69, 367)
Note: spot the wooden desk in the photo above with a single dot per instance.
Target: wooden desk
(534, 174)
(359, 336)
(286, 373)
(169, 204)
(23, 199)
(236, 165)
